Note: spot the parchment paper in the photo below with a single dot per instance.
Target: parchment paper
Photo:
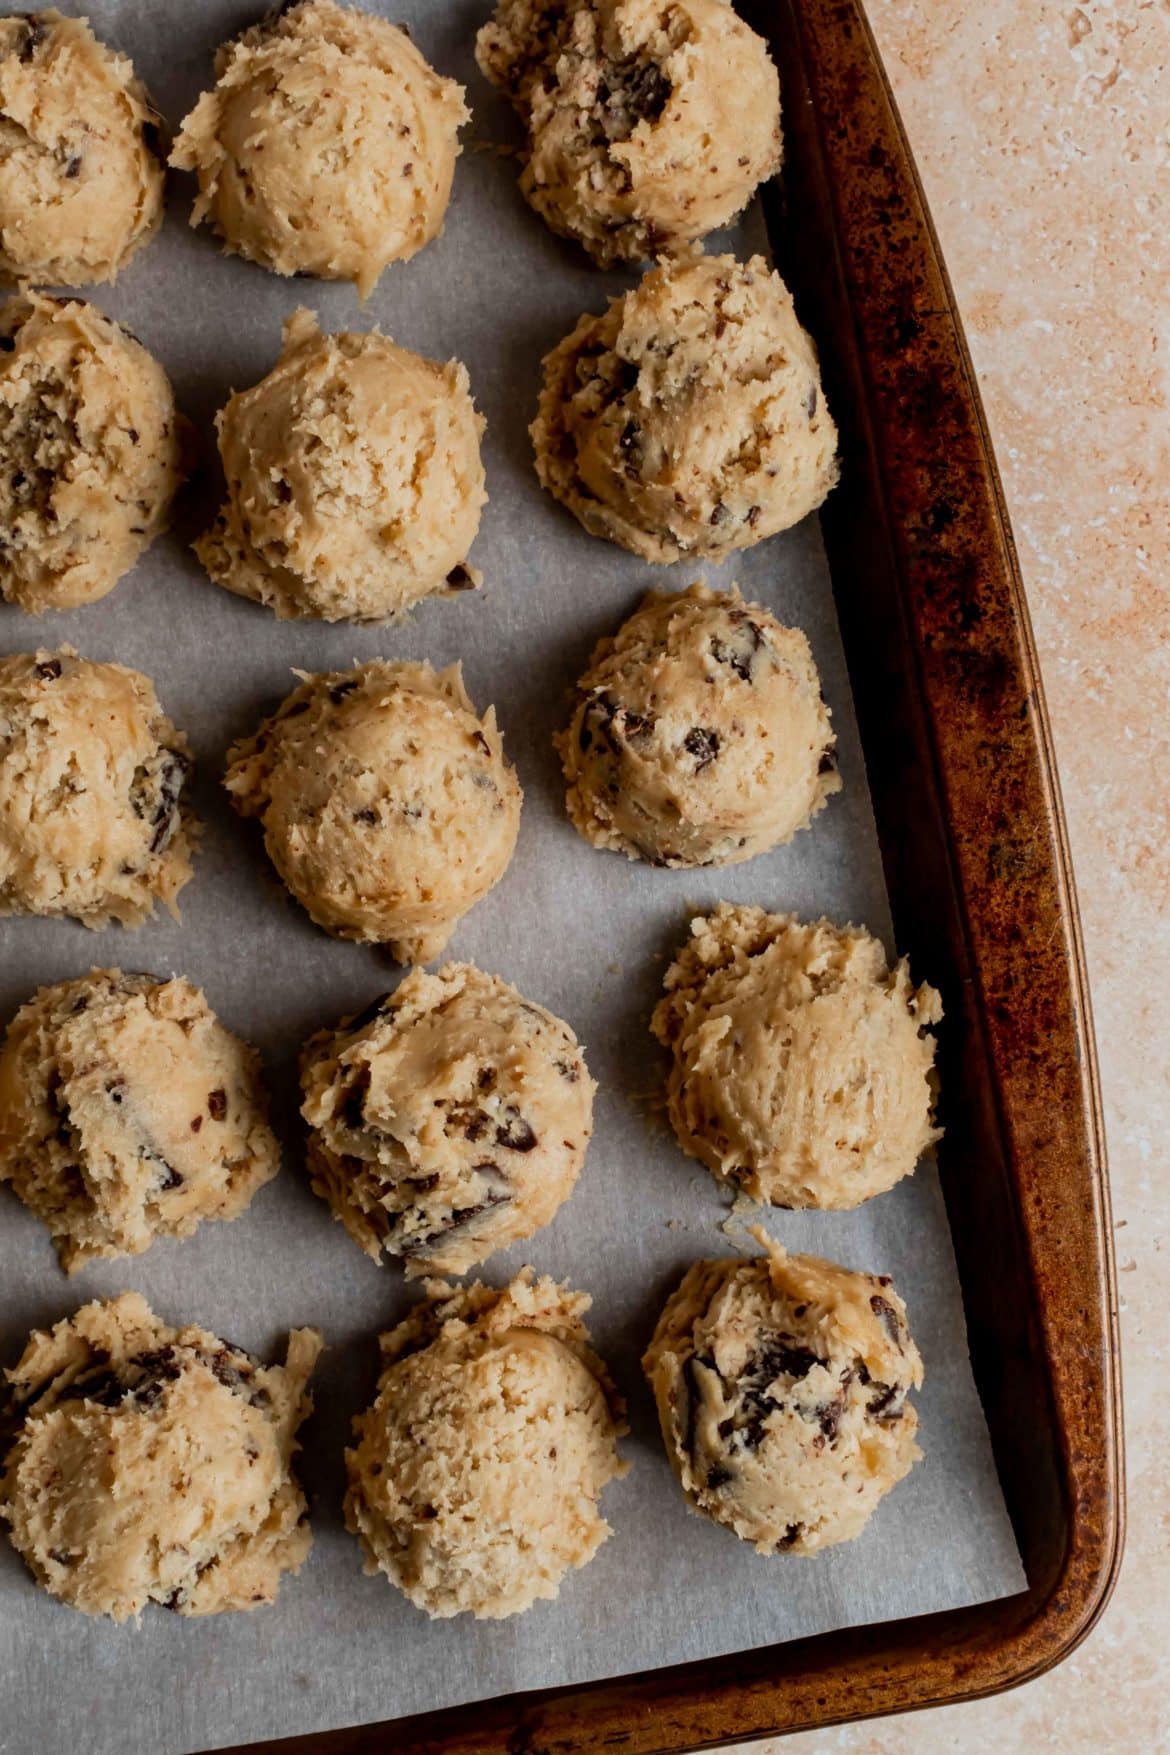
(583, 932)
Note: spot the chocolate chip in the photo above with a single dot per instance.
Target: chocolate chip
(196, 1123)
(217, 1105)
(73, 168)
(155, 792)
(810, 402)
(753, 516)
(717, 1476)
(631, 91)
(366, 815)
(132, 435)
(720, 329)
(459, 579)
(408, 169)
(880, 1405)
(702, 743)
(567, 1071)
(168, 1177)
(474, 1122)
(49, 669)
(514, 1132)
(888, 1317)
(718, 512)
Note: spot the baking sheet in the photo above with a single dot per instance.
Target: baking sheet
(585, 933)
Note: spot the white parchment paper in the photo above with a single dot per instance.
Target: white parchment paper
(583, 932)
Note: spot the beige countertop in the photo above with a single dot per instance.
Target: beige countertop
(1042, 132)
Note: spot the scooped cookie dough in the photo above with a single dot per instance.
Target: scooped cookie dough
(154, 1464)
(388, 807)
(448, 1120)
(802, 1070)
(91, 452)
(92, 772)
(689, 418)
(327, 146)
(128, 1112)
(81, 182)
(354, 480)
(700, 735)
(649, 125)
(475, 1477)
(782, 1386)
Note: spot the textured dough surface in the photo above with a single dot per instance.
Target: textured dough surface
(388, 806)
(128, 1112)
(448, 1120)
(649, 123)
(81, 183)
(354, 480)
(782, 1385)
(802, 1066)
(92, 772)
(91, 452)
(700, 735)
(475, 1476)
(327, 145)
(688, 419)
(153, 1464)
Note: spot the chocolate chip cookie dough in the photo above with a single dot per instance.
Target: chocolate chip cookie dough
(802, 1068)
(700, 735)
(91, 452)
(327, 145)
(782, 1386)
(128, 1112)
(154, 1465)
(475, 1476)
(688, 419)
(649, 124)
(354, 480)
(388, 806)
(92, 772)
(81, 182)
(448, 1120)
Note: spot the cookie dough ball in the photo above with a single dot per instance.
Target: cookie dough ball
(81, 183)
(782, 1386)
(327, 146)
(92, 773)
(475, 1478)
(91, 452)
(448, 1120)
(700, 735)
(354, 480)
(154, 1464)
(388, 807)
(802, 1069)
(689, 418)
(128, 1112)
(648, 125)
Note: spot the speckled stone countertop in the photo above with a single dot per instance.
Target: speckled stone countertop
(1041, 129)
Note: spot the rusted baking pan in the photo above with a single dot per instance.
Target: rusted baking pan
(961, 770)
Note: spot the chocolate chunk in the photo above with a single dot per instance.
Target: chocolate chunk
(155, 793)
(514, 1132)
(753, 516)
(631, 91)
(717, 1476)
(718, 512)
(459, 579)
(217, 1105)
(49, 669)
(810, 401)
(73, 168)
(880, 1405)
(460, 1218)
(35, 34)
(703, 744)
(366, 815)
(408, 168)
(196, 1123)
(637, 725)
(888, 1317)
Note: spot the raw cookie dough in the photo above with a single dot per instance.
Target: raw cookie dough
(327, 146)
(91, 452)
(802, 1069)
(153, 1464)
(354, 479)
(449, 1119)
(649, 124)
(689, 418)
(81, 182)
(389, 808)
(92, 772)
(782, 1387)
(700, 735)
(128, 1112)
(476, 1473)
